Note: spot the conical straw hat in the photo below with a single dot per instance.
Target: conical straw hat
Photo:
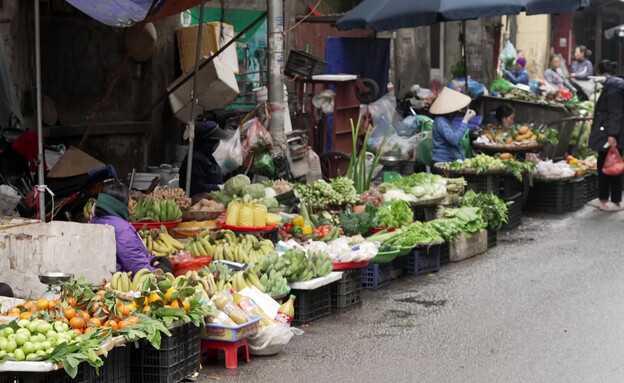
(73, 163)
(449, 101)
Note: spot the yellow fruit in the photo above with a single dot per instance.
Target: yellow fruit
(246, 216)
(154, 297)
(168, 294)
(233, 210)
(273, 219)
(260, 212)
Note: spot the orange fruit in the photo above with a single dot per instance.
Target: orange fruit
(71, 301)
(101, 292)
(77, 322)
(175, 304)
(30, 305)
(70, 312)
(78, 331)
(65, 320)
(154, 297)
(186, 305)
(124, 324)
(146, 309)
(25, 315)
(169, 293)
(133, 320)
(112, 324)
(14, 311)
(88, 330)
(85, 315)
(42, 304)
(96, 322)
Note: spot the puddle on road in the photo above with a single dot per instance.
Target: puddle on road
(422, 302)
(401, 314)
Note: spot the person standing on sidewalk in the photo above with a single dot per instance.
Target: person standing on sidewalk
(607, 131)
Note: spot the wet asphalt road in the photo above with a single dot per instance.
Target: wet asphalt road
(546, 305)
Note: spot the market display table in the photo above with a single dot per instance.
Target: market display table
(526, 112)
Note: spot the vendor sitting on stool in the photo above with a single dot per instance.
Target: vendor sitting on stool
(111, 208)
(206, 175)
(520, 74)
(446, 138)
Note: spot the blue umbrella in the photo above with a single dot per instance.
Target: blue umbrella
(394, 14)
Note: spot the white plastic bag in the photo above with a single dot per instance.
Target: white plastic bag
(229, 154)
(269, 340)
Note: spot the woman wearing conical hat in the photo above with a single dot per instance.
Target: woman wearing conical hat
(446, 138)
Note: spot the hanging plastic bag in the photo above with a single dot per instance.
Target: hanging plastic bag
(263, 164)
(229, 154)
(613, 165)
(409, 126)
(258, 138)
(508, 55)
(424, 150)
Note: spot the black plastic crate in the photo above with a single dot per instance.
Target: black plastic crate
(85, 375)
(556, 197)
(591, 187)
(492, 238)
(311, 305)
(407, 168)
(304, 65)
(578, 194)
(396, 270)
(484, 183)
(178, 357)
(514, 215)
(376, 276)
(445, 253)
(510, 187)
(423, 260)
(347, 292)
(116, 368)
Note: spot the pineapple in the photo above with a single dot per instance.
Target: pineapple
(233, 210)
(246, 215)
(260, 212)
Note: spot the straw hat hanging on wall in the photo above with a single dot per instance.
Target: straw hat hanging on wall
(449, 101)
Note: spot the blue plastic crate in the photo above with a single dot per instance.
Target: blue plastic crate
(423, 260)
(376, 276)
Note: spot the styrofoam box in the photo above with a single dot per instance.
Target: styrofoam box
(216, 89)
(81, 249)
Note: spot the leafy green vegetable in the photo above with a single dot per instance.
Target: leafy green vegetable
(493, 209)
(484, 163)
(236, 184)
(256, 191)
(353, 223)
(399, 213)
(467, 219)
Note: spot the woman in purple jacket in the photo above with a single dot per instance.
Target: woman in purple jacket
(112, 209)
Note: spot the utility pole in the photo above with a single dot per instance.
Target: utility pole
(275, 29)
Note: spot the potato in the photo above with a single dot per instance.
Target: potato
(533, 137)
(509, 141)
(523, 130)
(505, 156)
(498, 138)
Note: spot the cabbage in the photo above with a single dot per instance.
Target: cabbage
(271, 202)
(418, 191)
(236, 184)
(269, 192)
(222, 197)
(255, 191)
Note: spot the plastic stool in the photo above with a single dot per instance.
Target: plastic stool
(211, 348)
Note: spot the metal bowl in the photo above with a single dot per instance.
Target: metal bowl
(55, 277)
(390, 160)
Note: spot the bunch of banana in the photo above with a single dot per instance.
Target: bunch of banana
(323, 264)
(205, 286)
(274, 283)
(200, 246)
(121, 281)
(151, 210)
(218, 237)
(158, 242)
(298, 267)
(157, 280)
(221, 275)
(247, 278)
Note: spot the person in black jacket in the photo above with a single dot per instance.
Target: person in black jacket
(607, 131)
(206, 175)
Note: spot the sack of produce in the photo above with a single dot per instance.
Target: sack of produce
(500, 85)
(508, 55)
(263, 164)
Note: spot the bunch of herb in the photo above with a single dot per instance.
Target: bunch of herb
(493, 209)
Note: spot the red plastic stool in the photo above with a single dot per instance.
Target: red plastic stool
(211, 348)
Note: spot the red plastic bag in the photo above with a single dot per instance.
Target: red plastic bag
(614, 165)
(183, 264)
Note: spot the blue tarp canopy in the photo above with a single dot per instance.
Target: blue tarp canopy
(395, 14)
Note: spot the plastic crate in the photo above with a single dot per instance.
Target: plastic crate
(59, 376)
(304, 65)
(514, 215)
(591, 187)
(483, 183)
(445, 253)
(396, 270)
(510, 187)
(178, 357)
(407, 168)
(231, 333)
(347, 292)
(555, 197)
(376, 276)
(423, 260)
(311, 305)
(492, 238)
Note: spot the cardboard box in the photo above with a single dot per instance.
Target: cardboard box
(216, 89)
(464, 248)
(214, 36)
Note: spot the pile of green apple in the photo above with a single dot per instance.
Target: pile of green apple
(33, 340)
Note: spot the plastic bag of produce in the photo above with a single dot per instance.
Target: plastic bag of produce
(258, 139)
(500, 85)
(424, 150)
(508, 55)
(263, 164)
(409, 126)
(229, 154)
(269, 340)
(613, 166)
